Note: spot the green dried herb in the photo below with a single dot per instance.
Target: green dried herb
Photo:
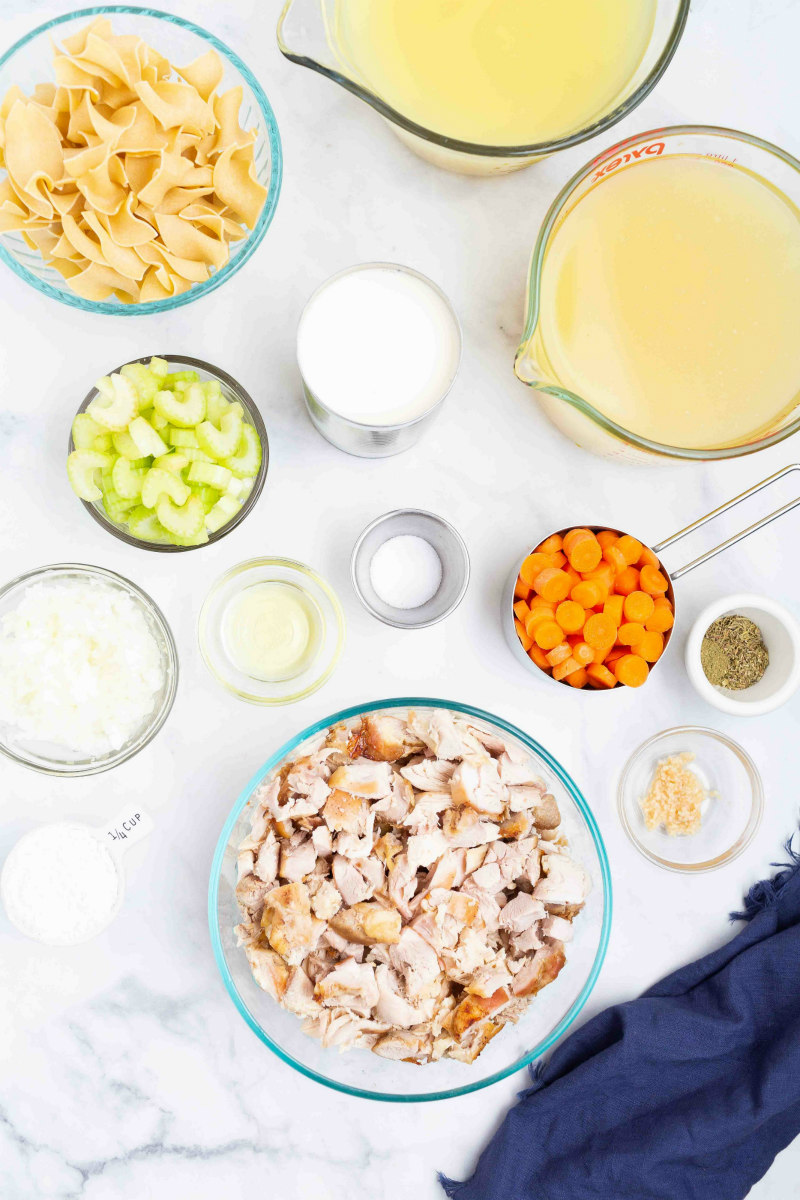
(733, 654)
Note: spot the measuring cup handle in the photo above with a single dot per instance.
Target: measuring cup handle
(737, 537)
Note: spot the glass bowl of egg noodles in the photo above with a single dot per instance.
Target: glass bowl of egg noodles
(158, 187)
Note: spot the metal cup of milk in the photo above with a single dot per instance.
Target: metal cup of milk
(378, 347)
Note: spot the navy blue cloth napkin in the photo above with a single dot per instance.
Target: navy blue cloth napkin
(687, 1093)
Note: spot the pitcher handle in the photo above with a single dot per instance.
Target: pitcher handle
(736, 537)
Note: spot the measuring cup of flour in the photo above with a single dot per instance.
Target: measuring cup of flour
(63, 884)
(378, 347)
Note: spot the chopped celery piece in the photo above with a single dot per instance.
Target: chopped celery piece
(185, 520)
(216, 404)
(180, 377)
(225, 508)
(84, 431)
(195, 455)
(102, 444)
(115, 405)
(160, 423)
(210, 473)
(145, 525)
(175, 461)
(183, 437)
(146, 439)
(124, 444)
(144, 382)
(81, 468)
(186, 411)
(127, 480)
(159, 483)
(199, 539)
(160, 368)
(208, 497)
(116, 507)
(223, 442)
(247, 460)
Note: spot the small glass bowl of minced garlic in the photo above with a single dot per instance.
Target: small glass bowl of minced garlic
(743, 654)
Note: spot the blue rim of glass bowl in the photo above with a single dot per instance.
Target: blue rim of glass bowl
(255, 236)
(411, 702)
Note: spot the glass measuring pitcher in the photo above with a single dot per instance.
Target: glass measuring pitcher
(308, 35)
(556, 300)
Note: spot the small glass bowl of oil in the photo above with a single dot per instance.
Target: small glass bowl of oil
(271, 630)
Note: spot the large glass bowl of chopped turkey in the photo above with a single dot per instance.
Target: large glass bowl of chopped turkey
(412, 882)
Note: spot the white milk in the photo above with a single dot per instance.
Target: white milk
(378, 345)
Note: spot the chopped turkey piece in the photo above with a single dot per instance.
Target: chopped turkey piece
(488, 878)
(475, 1041)
(245, 862)
(363, 778)
(418, 963)
(402, 884)
(299, 995)
(540, 970)
(326, 899)
(518, 825)
(250, 895)
(489, 979)
(385, 739)
(288, 924)
(464, 827)
(393, 808)
(269, 970)
(342, 1028)
(352, 885)
(367, 923)
(428, 774)
(297, 859)
(557, 928)
(349, 985)
(521, 912)
(490, 741)
(518, 772)
(526, 941)
(305, 774)
(426, 848)
(266, 864)
(443, 737)
(388, 848)
(541, 805)
(424, 816)
(449, 872)
(563, 881)
(476, 1008)
(406, 1046)
(471, 953)
(476, 783)
(323, 842)
(392, 1006)
(247, 933)
(344, 811)
(533, 866)
(354, 847)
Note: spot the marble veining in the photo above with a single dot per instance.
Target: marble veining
(125, 1072)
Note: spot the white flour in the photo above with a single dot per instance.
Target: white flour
(60, 884)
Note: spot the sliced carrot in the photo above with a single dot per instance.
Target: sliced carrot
(521, 589)
(582, 652)
(587, 593)
(604, 575)
(599, 630)
(631, 670)
(573, 536)
(532, 565)
(607, 537)
(602, 652)
(638, 606)
(630, 634)
(566, 668)
(615, 558)
(523, 636)
(661, 621)
(539, 657)
(574, 575)
(647, 558)
(651, 647)
(540, 602)
(627, 581)
(600, 676)
(535, 618)
(585, 553)
(612, 607)
(558, 654)
(559, 559)
(570, 616)
(577, 679)
(550, 545)
(521, 610)
(653, 581)
(663, 602)
(615, 653)
(631, 549)
(553, 584)
(548, 635)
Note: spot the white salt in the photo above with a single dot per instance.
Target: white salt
(406, 571)
(60, 885)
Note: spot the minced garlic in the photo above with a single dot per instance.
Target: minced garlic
(675, 798)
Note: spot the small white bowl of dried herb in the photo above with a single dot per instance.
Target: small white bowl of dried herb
(743, 654)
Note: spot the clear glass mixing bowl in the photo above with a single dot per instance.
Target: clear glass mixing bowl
(358, 1072)
(29, 61)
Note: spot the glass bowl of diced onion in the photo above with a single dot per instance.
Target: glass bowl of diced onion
(30, 62)
(233, 393)
(33, 750)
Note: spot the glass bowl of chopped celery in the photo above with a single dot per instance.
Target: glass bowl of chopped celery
(168, 453)
(88, 669)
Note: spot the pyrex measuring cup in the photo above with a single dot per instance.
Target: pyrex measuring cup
(576, 415)
(306, 36)
(671, 576)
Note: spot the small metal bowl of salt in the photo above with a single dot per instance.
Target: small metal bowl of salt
(410, 568)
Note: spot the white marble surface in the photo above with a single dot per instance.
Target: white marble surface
(126, 1072)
